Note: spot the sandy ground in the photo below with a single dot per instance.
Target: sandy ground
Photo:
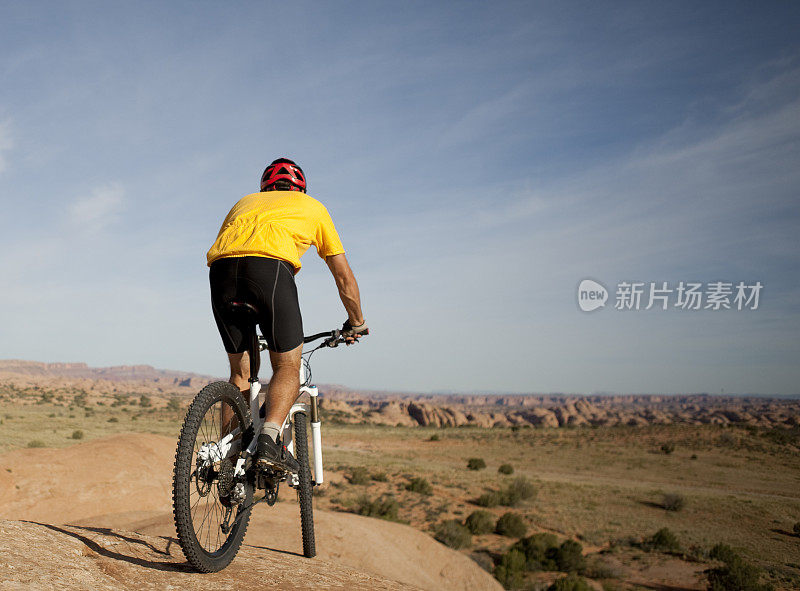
(76, 509)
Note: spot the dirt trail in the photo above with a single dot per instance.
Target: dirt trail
(108, 488)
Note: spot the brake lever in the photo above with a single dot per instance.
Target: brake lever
(333, 340)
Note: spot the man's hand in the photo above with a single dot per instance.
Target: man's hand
(351, 333)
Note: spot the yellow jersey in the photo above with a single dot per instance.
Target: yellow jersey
(276, 224)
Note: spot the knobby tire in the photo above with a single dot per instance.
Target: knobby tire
(194, 426)
(305, 488)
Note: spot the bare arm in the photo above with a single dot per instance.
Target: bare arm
(348, 287)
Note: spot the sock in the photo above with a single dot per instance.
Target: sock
(271, 430)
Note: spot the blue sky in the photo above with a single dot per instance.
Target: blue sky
(479, 160)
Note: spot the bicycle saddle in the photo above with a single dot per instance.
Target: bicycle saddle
(242, 308)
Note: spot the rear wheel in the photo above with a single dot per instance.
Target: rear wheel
(208, 500)
(305, 488)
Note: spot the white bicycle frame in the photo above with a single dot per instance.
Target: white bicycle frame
(226, 447)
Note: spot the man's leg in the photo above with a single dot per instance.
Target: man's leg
(284, 385)
(240, 373)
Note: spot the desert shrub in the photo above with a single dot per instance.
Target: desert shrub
(668, 448)
(173, 405)
(454, 535)
(569, 557)
(36, 443)
(480, 522)
(735, 573)
(358, 475)
(113, 420)
(539, 551)
(511, 525)
(506, 469)
(489, 499)
(673, 502)
(693, 457)
(796, 528)
(783, 436)
(385, 507)
(77, 434)
(571, 582)
(80, 399)
(380, 477)
(144, 400)
(520, 489)
(597, 568)
(663, 540)
(420, 485)
(723, 553)
(511, 569)
(434, 437)
(476, 464)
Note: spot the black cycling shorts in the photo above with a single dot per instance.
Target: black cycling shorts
(266, 284)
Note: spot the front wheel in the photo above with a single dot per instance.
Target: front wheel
(211, 504)
(305, 487)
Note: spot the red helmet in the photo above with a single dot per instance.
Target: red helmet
(286, 174)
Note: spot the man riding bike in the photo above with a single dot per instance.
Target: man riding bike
(254, 260)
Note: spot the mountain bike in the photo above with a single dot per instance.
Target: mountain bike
(216, 477)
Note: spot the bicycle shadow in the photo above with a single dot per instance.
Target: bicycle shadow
(132, 556)
(287, 552)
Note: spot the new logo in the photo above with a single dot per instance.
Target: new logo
(591, 295)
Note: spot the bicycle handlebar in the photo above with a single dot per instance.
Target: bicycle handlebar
(332, 335)
(333, 338)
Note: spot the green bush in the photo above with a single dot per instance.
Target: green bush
(539, 551)
(454, 535)
(420, 485)
(476, 464)
(144, 400)
(511, 525)
(77, 434)
(113, 420)
(723, 553)
(506, 469)
(489, 499)
(511, 569)
(380, 477)
(663, 540)
(434, 437)
(480, 522)
(673, 502)
(598, 568)
(735, 574)
(173, 405)
(571, 582)
(668, 448)
(358, 475)
(385, 507)
(36, 443)
(569, 557)
(520, 489)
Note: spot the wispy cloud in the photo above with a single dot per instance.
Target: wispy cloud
(99, 209)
